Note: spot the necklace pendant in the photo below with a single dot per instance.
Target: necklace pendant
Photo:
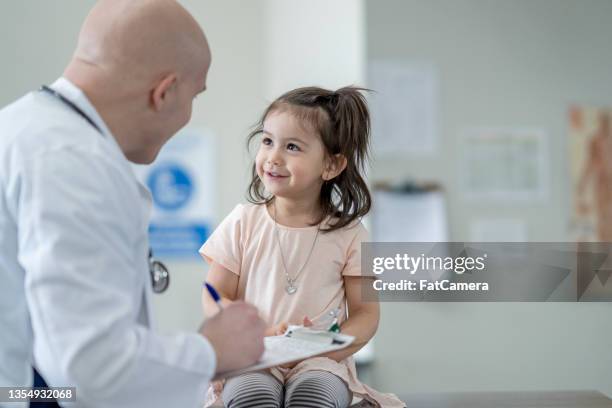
(290, 289)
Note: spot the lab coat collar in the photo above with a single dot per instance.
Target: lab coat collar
(74, 94)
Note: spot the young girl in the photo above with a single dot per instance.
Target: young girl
(295, 251)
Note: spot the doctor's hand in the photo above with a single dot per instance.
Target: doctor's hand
(236, 333)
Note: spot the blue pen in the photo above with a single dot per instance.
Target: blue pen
(214, 294)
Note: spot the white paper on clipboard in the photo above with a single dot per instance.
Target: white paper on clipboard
(298, 345)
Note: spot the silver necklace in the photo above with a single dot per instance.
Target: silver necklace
(291, 287)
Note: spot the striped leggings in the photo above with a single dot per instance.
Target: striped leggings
(314, 389)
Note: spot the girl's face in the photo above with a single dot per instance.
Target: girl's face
(291, 158)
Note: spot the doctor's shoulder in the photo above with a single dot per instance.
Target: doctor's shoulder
(32, 126)
(55, 153)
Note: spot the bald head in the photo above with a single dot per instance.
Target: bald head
(140, 62)
(141, 37)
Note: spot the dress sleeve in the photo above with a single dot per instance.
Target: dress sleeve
(352, 267)
(224, 246)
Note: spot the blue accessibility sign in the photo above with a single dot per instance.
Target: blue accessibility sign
(171, 186)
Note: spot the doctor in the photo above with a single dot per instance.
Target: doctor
(75, 288)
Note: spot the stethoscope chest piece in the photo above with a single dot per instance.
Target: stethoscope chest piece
(160, 277)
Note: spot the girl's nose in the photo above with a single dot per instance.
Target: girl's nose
(274, 158)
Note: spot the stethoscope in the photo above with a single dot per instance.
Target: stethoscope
(160, 277)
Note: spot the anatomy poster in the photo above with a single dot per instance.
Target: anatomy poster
(590, 144)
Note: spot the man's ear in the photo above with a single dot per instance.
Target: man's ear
(335, 165)
(159, 94)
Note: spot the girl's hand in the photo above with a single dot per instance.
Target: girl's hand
(218, 386)
(307, 322)
(277, 330)
(281, 328)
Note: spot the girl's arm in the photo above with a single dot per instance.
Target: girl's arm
(363, 318)
(226, 284)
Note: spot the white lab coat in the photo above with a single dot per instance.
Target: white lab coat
(75, 288)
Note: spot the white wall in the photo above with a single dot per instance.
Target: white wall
(506, 64)
(315, 42)
(36, 41)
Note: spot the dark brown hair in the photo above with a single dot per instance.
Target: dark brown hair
(342, 121)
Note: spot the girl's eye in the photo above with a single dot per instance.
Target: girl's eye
(266, 141)
(293, 147)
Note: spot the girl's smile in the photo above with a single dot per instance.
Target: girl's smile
(274, 177)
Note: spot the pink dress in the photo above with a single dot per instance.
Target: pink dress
(245, 243)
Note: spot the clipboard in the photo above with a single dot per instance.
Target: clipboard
(298, 343)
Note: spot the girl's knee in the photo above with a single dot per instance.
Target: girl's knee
(253, 390)
(317, 389)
